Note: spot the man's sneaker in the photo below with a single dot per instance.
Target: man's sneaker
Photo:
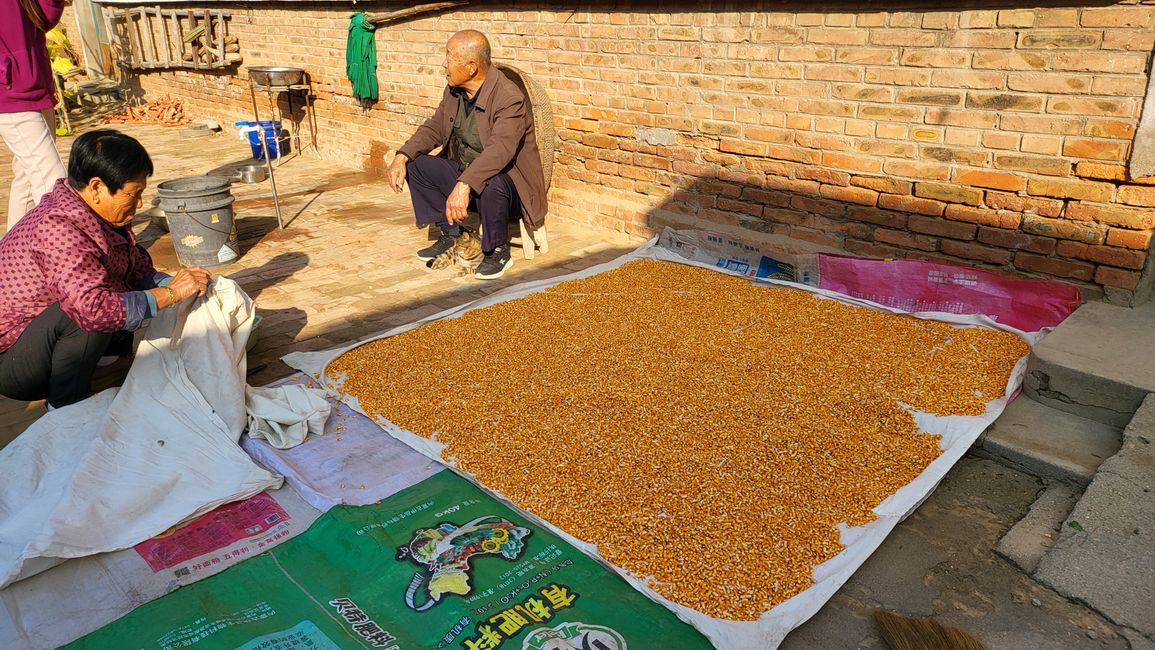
(494, 264)
(443, 243)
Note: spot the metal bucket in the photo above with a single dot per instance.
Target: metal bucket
(200, 217)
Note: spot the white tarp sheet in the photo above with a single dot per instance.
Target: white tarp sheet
(129, 463)
(958, 434)
(84, 594)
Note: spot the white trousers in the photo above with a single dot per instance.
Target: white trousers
(35, 162)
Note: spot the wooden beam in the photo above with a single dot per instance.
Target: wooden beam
(378, 19)
(163, 27)
(220, 39)
(147, 49)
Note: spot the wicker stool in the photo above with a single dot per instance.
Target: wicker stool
(542, 112)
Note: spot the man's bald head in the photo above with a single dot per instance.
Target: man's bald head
(470, 45)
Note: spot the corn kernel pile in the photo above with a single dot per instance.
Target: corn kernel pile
(699, 429)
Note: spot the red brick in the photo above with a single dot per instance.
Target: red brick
(846, 228)
(1096, 149)
(1116, 17)
(911, 169)
(905, 239)
(983, 216)
(1034, 164)
(1122, 257)
(1016, 240)
(827, 176)
(1101, 171)
(868, 249)
(993, 180)
(884, 185)
(766, 197)
(895, 220)
(1136, 195)
(1015, 203)
(818, 206)
(858, 195)
(739, 205)
(948, 193)
(1121, 130)
(911, 204)
(1139, 240)
(1054, 266)
(1070, 189)
(795, 154)
(1088, 233)
(787, 216)
(792, 185)
(1117, 278)
(720, 217)
(972, 251)
(1114, 215)
(942, 227)
(851, 163)
(743, 147)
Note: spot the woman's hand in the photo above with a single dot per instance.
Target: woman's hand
(191, 281)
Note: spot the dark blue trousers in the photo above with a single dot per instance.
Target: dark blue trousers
(432, 178)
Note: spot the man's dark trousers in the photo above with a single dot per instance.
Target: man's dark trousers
(53, 359)
(432, 178)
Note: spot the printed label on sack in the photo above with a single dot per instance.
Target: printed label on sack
(214, 531)
(216, 218)
(192, 241)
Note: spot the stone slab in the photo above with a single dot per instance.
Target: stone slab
(1029, 540)
(1099, 363)
(1105, 555)
(1048, 443)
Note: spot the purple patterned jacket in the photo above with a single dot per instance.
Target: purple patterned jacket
(62, 251)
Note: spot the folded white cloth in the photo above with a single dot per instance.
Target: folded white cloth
(129, 463)
(285, 415)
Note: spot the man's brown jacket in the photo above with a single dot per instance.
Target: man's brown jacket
(506, 127)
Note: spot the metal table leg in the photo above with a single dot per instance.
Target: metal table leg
(268, 159)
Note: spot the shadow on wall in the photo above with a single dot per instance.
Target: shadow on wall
(874, 218)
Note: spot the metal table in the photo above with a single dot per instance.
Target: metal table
(272, 93)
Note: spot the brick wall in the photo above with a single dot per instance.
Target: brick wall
(998, 137)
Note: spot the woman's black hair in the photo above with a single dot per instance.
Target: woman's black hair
(113, 157)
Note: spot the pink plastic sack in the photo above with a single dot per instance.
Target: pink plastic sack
(917, 285)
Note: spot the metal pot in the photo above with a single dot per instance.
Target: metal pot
(253, 173)
(275, 75)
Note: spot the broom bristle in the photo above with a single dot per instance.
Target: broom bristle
(906, 633)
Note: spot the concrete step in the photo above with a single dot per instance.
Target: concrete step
(1105, 555)
(1098, 364)
(1048, 443)
(1029, 540)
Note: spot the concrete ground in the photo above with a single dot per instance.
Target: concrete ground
(344, 269)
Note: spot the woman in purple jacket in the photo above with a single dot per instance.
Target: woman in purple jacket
(27, 98)
(72, 275)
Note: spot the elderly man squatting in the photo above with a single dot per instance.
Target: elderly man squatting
(489, 157)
